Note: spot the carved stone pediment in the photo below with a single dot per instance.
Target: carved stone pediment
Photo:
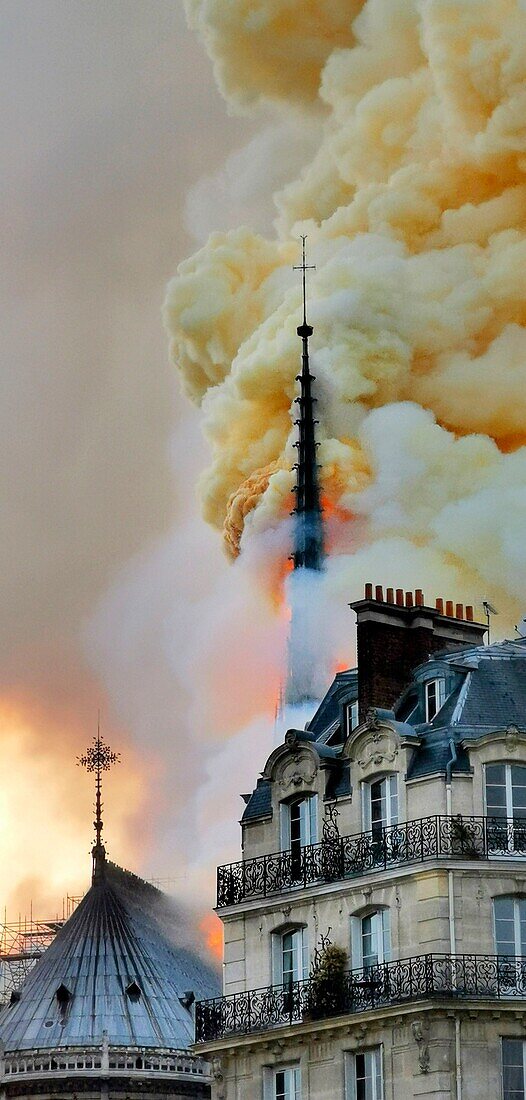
(375, 750)
(297, 771)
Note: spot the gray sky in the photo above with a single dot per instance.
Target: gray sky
(110, 114)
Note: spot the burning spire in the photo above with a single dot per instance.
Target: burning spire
(307, 554)
(308, 527)
(98, 758)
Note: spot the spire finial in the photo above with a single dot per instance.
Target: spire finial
(98, 758)
(304, 267)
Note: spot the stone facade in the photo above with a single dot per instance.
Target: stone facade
(440, 910)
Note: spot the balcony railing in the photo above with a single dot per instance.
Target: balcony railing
(488, 977)
(436, 837)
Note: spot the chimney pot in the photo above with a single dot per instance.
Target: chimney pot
(390, 595)
(368, 591)
(409, 599)
(449, 609)
(379, 593)
(419, 597)
(400, 597)
(440, 605)
(459, 611)
(469, 613)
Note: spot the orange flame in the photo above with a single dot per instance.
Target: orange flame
(212, 929)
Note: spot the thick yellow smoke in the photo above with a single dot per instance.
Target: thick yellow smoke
(415, 208)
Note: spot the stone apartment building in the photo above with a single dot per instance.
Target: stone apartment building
(375, 928)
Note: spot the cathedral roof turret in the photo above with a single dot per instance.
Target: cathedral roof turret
(118, 968)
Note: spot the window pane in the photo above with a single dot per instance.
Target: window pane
(496, 804)
(518, 783)
(513, 1069)
(368, 1075)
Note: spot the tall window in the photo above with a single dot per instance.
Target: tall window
(505, 790)
(510, 925)
(282, 1084)
(371, 939)
(513, 1069)
(435, 696)
(380, 804)
(290, 961)
(364, 1076)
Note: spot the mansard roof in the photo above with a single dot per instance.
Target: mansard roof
(485, 694)
(119, 965)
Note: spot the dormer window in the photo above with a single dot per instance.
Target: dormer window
(133, 991)
(352, 716)
(63, 996)
(435, 696)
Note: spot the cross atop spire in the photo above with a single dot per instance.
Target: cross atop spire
(98, 758)
(304, 267)
(307, 552)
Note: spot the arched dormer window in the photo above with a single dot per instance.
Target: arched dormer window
(298, 820)
(380, 805)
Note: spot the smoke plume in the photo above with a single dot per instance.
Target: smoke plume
(414, 203)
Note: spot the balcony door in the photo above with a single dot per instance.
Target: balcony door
(298, 828)
(506, 808)
(510, 942)
(380, 805)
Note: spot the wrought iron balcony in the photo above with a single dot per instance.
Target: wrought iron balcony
(436, 837)
(424, 977)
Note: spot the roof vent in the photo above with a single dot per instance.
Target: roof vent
(187, 999)
(63, 996)
(133, 991)
(15, 997)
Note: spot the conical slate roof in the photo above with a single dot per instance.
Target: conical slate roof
(121, 938)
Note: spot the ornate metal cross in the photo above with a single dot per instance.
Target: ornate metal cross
(98, 758)
(304, 267)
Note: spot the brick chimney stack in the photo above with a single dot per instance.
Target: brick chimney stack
(399, 632)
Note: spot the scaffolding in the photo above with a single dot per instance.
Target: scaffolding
(23, 942)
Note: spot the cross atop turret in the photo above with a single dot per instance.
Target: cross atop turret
(98, 758)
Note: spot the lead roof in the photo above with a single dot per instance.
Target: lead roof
(124, 934)
(486, 692)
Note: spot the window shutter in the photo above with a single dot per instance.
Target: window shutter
(366, 807)
(313, 819)
(284, 826)
(304, 954)
(356, 943)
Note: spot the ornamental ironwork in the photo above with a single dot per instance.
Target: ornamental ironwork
(423, 977)
(427, 838)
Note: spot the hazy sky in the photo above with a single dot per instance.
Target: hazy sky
(110, 114)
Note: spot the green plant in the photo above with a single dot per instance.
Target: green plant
(327, 986)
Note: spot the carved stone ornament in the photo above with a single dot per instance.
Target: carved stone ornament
(376, 750)
(420, 1032)
(219, 1080)
(512, 739)
(299, 771)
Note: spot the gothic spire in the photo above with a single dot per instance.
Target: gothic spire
(98, 758)
(308, 528)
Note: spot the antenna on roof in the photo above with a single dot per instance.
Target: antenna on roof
(521, 627)
(489, 610)
(98, 758)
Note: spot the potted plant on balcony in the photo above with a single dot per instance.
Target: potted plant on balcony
(327, 985)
